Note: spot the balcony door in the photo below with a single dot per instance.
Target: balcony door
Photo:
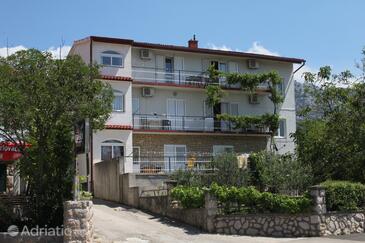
(231, 109)
(169, 69)
(175, 113)
(175, 157)
(220, 66)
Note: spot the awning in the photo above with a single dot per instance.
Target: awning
(9, 151)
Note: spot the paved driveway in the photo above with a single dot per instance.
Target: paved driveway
(118, 223)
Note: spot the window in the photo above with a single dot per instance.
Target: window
(111, 149)
(112, 58)
(175, 156)
(136, 155)
(118, 102)
(281, 133)
(281, 88)
(220, 149)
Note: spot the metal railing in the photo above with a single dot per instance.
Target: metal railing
(189, 124)
(179, 77)
(166, 164)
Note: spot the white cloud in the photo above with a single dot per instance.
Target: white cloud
(11, 50)
(53, 50)
(56, 51)
(220, 47)
(257, 48)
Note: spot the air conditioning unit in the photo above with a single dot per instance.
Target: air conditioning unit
(148, 92)
(145, 54)
(253, 99)
(252, 64)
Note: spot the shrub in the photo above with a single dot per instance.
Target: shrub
(189, 197)
(344, 195)
(242, 199)
(224, 171)
(227, 171)
(250, 200)
(278, 173)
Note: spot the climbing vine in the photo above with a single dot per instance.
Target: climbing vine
(266, 120)
(249, 82)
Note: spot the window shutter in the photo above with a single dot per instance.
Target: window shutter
(178, 63)
(233, 67)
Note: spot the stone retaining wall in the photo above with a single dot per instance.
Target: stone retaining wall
(318, 223)
(268, 225)
(342, 223)
(78, 221)
(291, 225)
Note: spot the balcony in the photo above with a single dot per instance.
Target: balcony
(179, 77)
(167, 123)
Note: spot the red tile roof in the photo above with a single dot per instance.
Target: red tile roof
(188, 49)
(119, 127)
(117, 78)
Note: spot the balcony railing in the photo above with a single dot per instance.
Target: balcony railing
(179, 77)
(189, 124)
(162, 164)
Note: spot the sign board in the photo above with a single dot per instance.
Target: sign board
(9, 151)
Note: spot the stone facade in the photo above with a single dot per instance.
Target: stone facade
(342, 223)
(268, 225)
(198, 143)
(318, 223)
(78, 222)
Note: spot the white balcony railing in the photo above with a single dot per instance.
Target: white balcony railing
(179, 77)
(189, 124)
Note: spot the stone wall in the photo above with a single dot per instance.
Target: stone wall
(78, 221)
(268, 225)
(198, 143)
(318, 223)
(342, 223)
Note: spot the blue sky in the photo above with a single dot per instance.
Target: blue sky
(326, 32)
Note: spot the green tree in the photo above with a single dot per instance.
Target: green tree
(41, 99)
(333, 144)
(279, 173)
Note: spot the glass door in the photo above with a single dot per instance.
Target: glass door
(169, 69)
(176, 113)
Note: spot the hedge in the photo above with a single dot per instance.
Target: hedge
(189, 197)
(344, 195)
(242, 199)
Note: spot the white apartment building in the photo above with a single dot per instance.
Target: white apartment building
(159, 113)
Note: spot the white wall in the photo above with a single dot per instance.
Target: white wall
(117, 117)
(194, 98)
(82, 49)
(125, 50)
(122, 135)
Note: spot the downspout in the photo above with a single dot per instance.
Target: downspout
(91, 133)
(292, 77)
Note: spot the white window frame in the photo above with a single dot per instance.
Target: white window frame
(119, 94)
(278, 132)
(215, 147)
(175, 164)
(115, 143)
(139, 154)
(111, 55)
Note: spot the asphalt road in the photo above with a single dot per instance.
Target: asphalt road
(118, 223)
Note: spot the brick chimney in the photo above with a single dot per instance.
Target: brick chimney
(193, 43)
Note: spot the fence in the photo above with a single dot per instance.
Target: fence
(165, 164)
(179, 77)
(190, 124)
